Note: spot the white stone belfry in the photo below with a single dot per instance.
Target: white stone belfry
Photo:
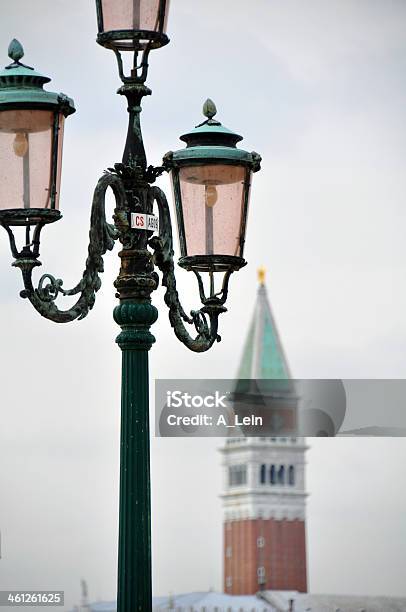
(272, 481)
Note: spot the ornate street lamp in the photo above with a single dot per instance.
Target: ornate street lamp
(31, 138)
(211, 180)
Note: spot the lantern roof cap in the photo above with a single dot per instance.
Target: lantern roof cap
(211, 142)
(211, 131)
(17, 73)
(22, 86)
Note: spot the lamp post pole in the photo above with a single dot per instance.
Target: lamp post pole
(135, 314)
(134, 548)
(208, 176)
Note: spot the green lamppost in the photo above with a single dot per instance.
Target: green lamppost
(211, 181)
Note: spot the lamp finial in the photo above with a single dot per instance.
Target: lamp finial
(15, 50)
(209, 109)
(261, 275)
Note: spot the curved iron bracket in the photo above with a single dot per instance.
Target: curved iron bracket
(102, 236)
(205, 320)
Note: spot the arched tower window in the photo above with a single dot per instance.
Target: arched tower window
(272, 475)
(281, 475)
(237, 475)
(291, 475)
(262, 474)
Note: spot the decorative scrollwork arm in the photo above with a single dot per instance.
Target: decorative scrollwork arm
(102, 236)
(205, 320)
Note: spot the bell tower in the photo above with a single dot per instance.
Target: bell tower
(264, 483)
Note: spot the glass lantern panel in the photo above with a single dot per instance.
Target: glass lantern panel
(61, 125)
(132, 15)
(213, 207)
(26, 143)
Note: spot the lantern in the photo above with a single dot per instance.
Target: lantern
(211, 182)
(31, 138)
(131, 25)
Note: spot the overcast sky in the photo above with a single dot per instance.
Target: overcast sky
(318, 88)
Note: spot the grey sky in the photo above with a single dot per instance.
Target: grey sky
(318, 88)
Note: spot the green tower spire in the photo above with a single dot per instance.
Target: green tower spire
(263, 356)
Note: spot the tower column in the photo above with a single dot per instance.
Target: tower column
(265, 543)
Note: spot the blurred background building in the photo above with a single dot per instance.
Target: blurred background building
(264, 497)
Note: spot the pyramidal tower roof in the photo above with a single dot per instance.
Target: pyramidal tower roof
(263, 356)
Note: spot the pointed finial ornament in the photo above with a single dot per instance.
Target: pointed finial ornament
(15, 50)
(15, 53)
(209, 109)
(261, 275)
